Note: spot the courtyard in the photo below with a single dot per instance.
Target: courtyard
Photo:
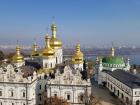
(104, 95)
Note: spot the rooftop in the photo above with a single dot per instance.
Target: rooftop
(126, 78)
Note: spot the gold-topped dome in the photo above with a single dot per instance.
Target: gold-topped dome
(48, 51)
(78, 56)
(18, 57)
(34, 50)
(55, 42)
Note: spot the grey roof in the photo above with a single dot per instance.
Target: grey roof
(126, 78)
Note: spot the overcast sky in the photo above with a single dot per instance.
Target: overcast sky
(91, 22)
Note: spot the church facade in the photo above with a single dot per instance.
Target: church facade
(70, 86)
(14, 89)
(27, 86)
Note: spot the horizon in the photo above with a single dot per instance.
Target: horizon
(92, 23)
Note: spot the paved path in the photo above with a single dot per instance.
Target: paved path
(104, 95)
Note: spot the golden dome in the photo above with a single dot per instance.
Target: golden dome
(34, 50)
(55, 42)
(78, 56)
(48, 51)
(17, 58)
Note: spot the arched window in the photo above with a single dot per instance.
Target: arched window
(68, 96)
(81, 98)
(122, 96)
(40, 98)
(45, 76)
(114, 90)
(46, 65)
(137, 102)
(111, 86)
(127, 100)
(40, 87)
(45, 87)
(68, 75)
(51, 65)
(108, 84)
(118, 93)
(23, 94)
(56, 60)
(0, 92)
(11, 93)
(55, 94)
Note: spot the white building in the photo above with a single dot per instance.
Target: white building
(14, 89)
(41, 88)
(69, 85)
(48, 57)
(125, 86)
(52, 54)
(109, 63)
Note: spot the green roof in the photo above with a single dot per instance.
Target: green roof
(113, 60)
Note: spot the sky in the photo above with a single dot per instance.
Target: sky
(95, 23)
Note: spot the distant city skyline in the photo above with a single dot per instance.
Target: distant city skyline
(91, 22)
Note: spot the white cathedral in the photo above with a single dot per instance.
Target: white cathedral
(21, 84)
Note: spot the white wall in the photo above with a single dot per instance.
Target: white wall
(18, 90)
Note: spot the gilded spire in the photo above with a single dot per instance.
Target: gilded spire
(34, 50)
(55, 43)
(17, 48)
(78, 48)
(112, 51)
(54, 31)
(35, 46)
(47, 39)
(48, 51)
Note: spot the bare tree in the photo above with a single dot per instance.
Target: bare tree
(94, 101)
(55, 101)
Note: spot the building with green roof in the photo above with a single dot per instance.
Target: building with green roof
(109, 64)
